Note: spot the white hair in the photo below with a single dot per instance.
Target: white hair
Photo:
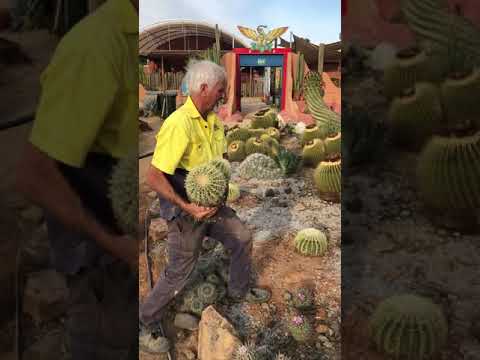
(203, 72)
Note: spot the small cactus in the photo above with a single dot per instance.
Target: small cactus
(333, 144)
(313, 152)
(408, 327)
(327, 178)
(281, 356)
(311, 242)
(273, 132)
(197, 306)
(300, 328)
(460, 97)
(311, 132)
(246, 352)
(259, 166)
(207, 292)
(256, 145)
(241, 134)
(415, 115)
(448, 174)
(236, 150)
(264, 119)
(302, 299)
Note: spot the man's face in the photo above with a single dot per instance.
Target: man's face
(213, 95)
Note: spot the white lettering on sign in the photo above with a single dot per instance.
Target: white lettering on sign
(261, 61)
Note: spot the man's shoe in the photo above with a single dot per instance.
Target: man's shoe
(253, 296)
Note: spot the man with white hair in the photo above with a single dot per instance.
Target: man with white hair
(191, 136)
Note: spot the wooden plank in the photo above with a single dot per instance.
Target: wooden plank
(321, 56)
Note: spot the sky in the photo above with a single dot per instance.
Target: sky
(318, 20)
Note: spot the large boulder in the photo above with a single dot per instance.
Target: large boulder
(217, 338)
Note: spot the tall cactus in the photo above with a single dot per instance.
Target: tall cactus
(319, 110)
(298, 84)
(452, 34)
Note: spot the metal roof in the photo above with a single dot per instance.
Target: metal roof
(161, 33)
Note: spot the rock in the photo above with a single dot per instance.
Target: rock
(217, 339)
(186, 321)
(288, 190)
(269, 193)
(46, 348)
(32, 214)
(36, 248)
(322, 329)
(45, 295)
(262, 235)
(321, 315)
(158, 229)
(189, 354)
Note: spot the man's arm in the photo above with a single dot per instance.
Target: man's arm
(159, 183)
(40, 180)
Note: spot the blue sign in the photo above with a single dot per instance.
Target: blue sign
(261, 60)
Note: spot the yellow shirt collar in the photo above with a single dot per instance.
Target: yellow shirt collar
(191, 108)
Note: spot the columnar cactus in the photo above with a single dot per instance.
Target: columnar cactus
(206, 186)
(460, 97)
(415, 115)
(434, 23)
(448, 174)
(408, 327)
(123, 193)
(327, 178)
(259, 166)
(236, 150)
(300, 328)
(323, 115)
(313, 152)
(311, 242)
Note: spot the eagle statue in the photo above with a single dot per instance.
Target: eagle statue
(263, 41)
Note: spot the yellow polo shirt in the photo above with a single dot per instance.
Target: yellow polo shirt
(89, 100)
(186, 140)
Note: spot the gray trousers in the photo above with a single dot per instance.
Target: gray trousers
(184, 242)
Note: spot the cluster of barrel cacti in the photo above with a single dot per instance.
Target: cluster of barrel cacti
(207, 185)
(408, 327)
(434, 106)
(123, 193)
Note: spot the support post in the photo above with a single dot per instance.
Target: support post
(321, 57)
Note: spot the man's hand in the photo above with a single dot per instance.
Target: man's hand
(200, 212)
(125, 248)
